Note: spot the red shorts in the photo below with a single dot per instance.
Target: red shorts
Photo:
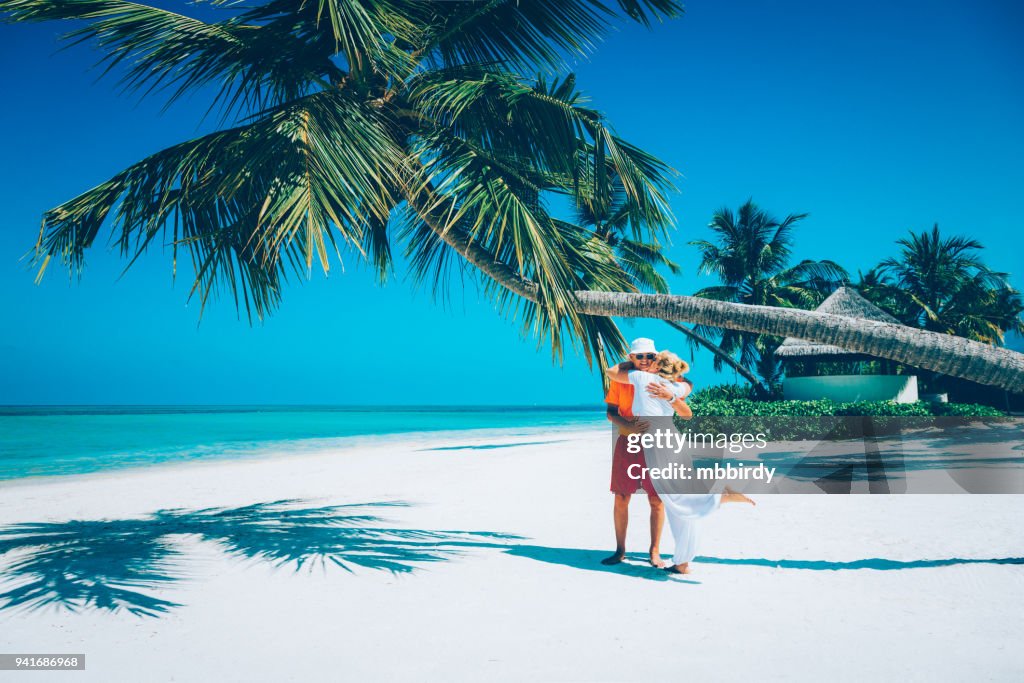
(622, 483)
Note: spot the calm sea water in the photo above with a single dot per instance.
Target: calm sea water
(54, 440)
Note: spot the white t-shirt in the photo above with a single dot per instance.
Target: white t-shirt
(645, 405)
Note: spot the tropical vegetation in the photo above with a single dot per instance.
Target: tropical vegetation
(794, 420)
(750, 256)
(942, 284)
(745, 407)
(434, 127)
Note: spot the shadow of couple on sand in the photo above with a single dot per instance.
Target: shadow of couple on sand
(114, 565)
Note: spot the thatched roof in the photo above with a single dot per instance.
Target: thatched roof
(844, 301)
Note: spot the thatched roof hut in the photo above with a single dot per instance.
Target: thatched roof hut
(815, 371)
(844, 301)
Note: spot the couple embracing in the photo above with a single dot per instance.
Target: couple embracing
(651, 384)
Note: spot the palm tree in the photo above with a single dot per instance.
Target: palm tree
(359, 122)
(352, 124)
(941, 284)
(750, 257)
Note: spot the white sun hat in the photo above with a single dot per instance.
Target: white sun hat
(642, 345)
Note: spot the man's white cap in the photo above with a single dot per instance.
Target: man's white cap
(642, 345)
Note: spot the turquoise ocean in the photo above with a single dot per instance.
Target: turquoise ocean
(61, 440)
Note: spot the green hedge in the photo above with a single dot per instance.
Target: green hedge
(817, 420)
(739, 407)
(724, 392)
(966, 410)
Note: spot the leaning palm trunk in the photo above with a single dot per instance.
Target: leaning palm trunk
(719, 352)
(942, 353)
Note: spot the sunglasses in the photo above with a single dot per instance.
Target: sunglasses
(645, 356)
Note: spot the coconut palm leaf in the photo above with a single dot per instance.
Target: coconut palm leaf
(249, 204)
(153, 49)
(528, 32)
(641, 261)
(502, 113)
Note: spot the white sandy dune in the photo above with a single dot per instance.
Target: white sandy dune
(848, 588)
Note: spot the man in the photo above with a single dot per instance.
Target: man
(620, 404)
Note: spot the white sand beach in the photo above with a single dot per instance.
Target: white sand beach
(798, 588)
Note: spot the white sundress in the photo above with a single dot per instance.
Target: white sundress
(684, 510)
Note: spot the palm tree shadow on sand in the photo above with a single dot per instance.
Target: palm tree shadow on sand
(112, 564)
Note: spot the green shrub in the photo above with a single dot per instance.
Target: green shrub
(724, 392)
(885, 408)
(739, 407)
(966, 410)
(823, 419)
(732, 392)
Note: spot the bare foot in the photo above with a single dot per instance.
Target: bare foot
(655, 559)
(614, 559)
(730, 496)
(683, 568)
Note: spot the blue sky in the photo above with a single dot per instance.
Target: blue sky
(874, 117)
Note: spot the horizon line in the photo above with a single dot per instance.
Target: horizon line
(300, 405)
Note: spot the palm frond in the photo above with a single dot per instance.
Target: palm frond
(250, 203)
(528, 33)
(153, 49)
(641, 261)
(365, 32)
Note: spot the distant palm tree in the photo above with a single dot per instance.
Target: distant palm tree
(359, 124)
(750, 256)
(941, 284)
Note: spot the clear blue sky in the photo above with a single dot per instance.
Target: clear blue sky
(875, 117)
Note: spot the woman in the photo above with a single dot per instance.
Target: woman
(684, 510)
(667, 370)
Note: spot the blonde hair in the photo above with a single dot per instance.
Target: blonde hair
(669, 365)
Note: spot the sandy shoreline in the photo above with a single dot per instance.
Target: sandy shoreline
(785, 591)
